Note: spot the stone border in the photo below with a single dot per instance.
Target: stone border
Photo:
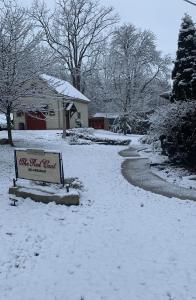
(37, 195)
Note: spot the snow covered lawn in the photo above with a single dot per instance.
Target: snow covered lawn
(121, 243)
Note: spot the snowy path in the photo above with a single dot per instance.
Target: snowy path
(122, 243)
(136, 171)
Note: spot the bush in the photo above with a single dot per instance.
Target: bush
(175, 127)
(137, 123)
(88, 135)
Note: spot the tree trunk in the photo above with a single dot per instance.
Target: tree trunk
(64, 125)
(9, 127)
(76, 78)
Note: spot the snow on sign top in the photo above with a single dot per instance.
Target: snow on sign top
(64, 87)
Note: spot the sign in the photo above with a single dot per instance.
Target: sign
(39, 165)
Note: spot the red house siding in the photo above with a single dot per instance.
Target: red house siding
(99, 123)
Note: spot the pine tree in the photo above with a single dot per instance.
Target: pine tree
(184, 72)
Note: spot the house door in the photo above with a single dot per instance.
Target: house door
(35, 121)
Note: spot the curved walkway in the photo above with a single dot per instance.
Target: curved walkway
(136, 170)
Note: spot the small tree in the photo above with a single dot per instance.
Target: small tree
(19, 60)
(183, 73)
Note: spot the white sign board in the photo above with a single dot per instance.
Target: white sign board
(39, 165)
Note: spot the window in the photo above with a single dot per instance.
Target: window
(52, 112)
(43, 109)
(79, 115)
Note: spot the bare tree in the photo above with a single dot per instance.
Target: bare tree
(75, 31)
(19, 62)
(130, 74)
(134, 65)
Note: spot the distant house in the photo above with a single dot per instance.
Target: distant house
(102, 120)
(50, 103)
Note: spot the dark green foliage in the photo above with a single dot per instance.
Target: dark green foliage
(137, 123)
(180, 143)
(121, 124)
(184, 72)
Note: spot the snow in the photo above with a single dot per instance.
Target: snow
(120, 243)
(50, 192)
(106, 115)
(173, 174)
(3, 122)
(64, 87)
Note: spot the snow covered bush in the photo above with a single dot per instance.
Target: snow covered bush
(75, 140)
(174, 126)
(137, 123)
(121, 124)
(90, 135)
(78, 131)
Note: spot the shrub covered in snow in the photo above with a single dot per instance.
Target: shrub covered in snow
(121, 124)
(77, 134)
(137, 123)
(84, 131)
(75, 140)
(174, 126)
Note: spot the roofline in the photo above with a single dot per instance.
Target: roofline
(53, 89)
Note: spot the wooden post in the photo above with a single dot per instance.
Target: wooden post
(64, 123)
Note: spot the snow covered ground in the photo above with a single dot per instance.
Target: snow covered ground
(121, 243)
(171, 173)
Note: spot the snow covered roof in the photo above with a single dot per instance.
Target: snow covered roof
(106, 115)
(64, 87)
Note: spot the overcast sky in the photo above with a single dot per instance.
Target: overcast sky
(163, 17)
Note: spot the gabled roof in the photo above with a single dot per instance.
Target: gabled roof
(64, 87)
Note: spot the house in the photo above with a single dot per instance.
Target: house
(49, 103)
(102, 120)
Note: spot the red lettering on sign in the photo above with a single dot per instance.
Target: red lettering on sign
(34, 162)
